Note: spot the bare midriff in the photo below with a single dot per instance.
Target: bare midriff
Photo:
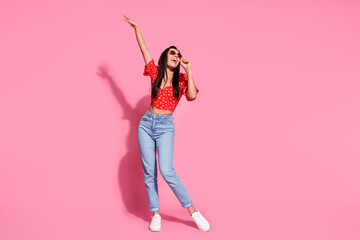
(159, 111)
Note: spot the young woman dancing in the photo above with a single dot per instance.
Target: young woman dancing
(156, 128)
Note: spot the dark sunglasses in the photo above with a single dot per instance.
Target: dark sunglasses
(172, 52)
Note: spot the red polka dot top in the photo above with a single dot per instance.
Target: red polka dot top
(165, 99)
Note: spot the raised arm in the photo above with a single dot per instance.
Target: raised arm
(140, 40)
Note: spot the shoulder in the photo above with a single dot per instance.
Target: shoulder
(182, 81)
(182, 77)
(151, 64)
(151, 70)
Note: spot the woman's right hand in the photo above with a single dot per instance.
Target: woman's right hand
(140, 40)
(131, 22)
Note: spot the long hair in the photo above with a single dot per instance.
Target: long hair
(162, 63)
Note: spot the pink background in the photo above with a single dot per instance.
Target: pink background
(268, 150)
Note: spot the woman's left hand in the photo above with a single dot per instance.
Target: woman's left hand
(185, 63)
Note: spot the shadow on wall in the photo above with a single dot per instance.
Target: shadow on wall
(130, 175)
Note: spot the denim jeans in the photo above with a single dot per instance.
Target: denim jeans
(157, 131)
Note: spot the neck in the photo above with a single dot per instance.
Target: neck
(170, 73)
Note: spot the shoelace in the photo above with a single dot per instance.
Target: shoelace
(156, 220)
(197, 216)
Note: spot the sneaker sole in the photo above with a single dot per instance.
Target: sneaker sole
(155, 230)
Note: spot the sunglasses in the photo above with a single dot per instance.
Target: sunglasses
(172, 52)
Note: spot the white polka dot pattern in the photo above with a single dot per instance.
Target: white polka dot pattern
(165, 99)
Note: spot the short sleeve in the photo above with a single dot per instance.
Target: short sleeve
(184, 79)
(151, 70)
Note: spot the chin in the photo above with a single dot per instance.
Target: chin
(171, 66)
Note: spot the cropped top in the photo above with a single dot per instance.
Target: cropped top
(165, 99)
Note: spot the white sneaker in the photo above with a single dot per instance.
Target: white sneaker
(155, 224)
(200, 221)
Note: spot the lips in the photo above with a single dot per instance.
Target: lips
(174, 61)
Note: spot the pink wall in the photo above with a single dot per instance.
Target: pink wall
(268, 150)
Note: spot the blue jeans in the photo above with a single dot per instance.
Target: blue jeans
(157, 131)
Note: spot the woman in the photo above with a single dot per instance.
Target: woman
(156, 128)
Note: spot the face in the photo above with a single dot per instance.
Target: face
(173, 58)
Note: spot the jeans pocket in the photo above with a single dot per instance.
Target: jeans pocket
(167, 121)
